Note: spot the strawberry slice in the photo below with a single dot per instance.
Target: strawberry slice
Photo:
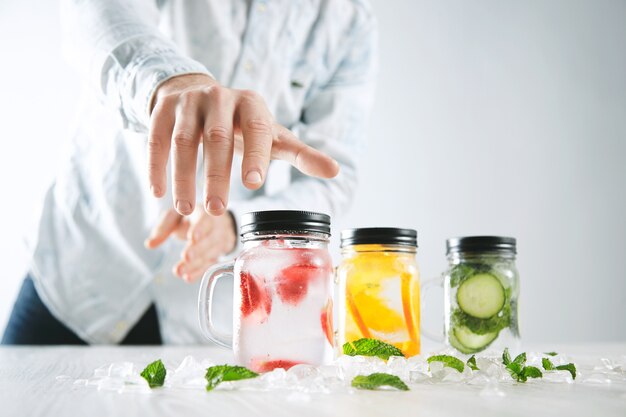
(326, 319)
(253, 296)
(267, 366)
(294, 282)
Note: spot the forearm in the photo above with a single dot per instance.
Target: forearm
(117, 47)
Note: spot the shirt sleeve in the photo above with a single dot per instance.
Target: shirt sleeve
(334, 121)
(117, 47)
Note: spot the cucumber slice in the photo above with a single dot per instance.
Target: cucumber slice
(454, 342)
(462, 339)
(481, 296)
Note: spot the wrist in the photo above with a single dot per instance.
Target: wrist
(179, 83)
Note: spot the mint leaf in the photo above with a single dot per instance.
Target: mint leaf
(449, 361)
(532, 372)
(515, 369)
(482, 326)
(378, 380)
(551, 353)
(471, 362)
(222, 373)
(520, 359)
(460, 273)
(371, 347)
(547, 364)
(506, 357)
(570, 367)
(154, 373)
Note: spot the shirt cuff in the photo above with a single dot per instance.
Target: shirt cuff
(144, 74)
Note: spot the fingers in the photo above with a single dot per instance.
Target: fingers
(218, 145)
(197, 258)
(200, 227)
(186, 137)
(256, 125)
(161, 125)
(167, 224)
(306, 159)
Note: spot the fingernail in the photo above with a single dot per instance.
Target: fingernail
(183, 207)
(155, 190)
(215, 204)
(253, 177)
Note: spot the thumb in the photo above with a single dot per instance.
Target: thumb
(167, 224)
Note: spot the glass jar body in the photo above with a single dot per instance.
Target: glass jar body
(379, 294)
(481, 291)
(283, 301)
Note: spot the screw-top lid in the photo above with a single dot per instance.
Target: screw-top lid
(285, 221)
(379, 235)
(481, 244)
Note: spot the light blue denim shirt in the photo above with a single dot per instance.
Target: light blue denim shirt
(313, 61)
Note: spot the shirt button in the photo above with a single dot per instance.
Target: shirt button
(261, 7)
(248, 66)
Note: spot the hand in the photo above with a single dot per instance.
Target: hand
(193, 109)
(208, 237)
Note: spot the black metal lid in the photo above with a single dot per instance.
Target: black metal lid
(481, 244)
(379, 235)
(285, 221)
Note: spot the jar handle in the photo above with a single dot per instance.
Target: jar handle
(437, 281)
(205, 304)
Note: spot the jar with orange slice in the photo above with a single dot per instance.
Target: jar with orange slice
(380, 280)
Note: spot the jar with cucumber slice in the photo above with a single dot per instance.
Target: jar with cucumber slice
(481, 288)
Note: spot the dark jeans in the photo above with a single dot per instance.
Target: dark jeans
(31, 323)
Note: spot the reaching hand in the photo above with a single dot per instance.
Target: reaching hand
(193, 109)
(208, 237)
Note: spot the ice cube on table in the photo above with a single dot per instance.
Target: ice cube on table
(492, 390)
(116, 370)
(189, 374)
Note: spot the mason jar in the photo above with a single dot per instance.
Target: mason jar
(379, 286)
(481, 290)
(283, 292)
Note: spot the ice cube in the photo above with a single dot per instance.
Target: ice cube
(81, 382)
(492, 390)
(136, 384)
(398, 365)
(558, 377)
(303, 372)
(121, 369)
(331, 372)
(595, 378)
(189, 374)
(110, 384)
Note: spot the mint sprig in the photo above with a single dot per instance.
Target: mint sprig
(222, 373)
(551, 353)
(377, 380)
(371, 347)
(154, 373)
(449, 361)
(471, 363)
(549, 366)
(517, 367)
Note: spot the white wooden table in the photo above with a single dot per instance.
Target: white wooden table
(29, 387)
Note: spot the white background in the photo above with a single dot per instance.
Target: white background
(492, 117)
